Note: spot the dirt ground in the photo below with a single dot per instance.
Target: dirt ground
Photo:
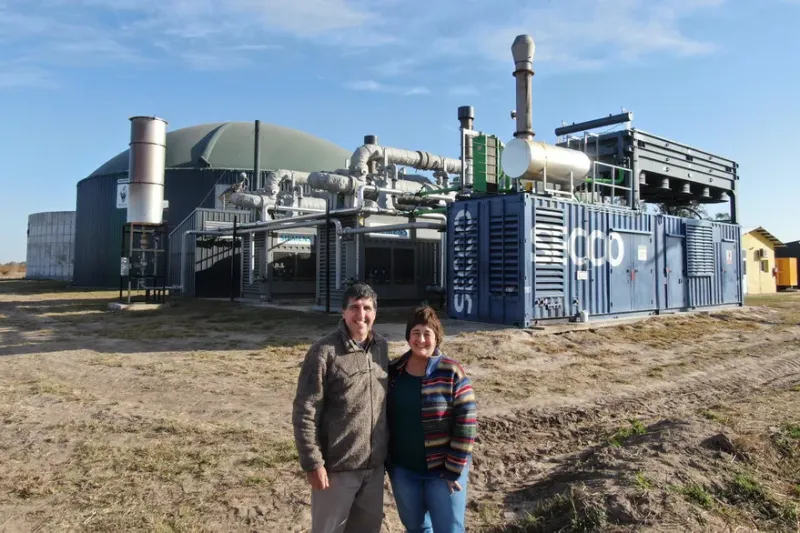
(179, 419)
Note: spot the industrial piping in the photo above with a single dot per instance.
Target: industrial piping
(315, 220)
(271, 189)
(370, 153)
(338, 182)
(333, 182)
(315, 216)
(393, 227)
(272, 185)
(325, 181)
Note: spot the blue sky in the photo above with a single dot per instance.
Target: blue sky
(721, 75)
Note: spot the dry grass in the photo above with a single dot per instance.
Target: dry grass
(12, 270)
(785, 307)
(179, 419)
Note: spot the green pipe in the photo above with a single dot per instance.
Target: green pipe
(618, 181)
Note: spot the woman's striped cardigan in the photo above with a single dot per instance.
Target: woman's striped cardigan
(449, 414)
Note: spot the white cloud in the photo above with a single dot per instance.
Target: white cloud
(366, 85)
(412, 39)
(590, 34)
(374, 86)
(201, 33)
(576, 36)
(309, 17)
(253, 47)
(417, 91)
(464, 90)
(210, 62)
(394, 67)
(19, 76)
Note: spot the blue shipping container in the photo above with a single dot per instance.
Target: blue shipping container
(519, 258)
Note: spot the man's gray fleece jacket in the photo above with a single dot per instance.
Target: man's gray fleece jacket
(339, 413)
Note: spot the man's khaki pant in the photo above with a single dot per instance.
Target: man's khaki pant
(353, 503)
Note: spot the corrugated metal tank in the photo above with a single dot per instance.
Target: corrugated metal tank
(199, 158)
(51, 242)
(516, 259)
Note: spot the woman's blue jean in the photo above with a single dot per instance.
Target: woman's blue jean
(425, 502)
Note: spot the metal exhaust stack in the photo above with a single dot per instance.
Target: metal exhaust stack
(466, 118)
(528, 160)
(522, 50)
(148, 153)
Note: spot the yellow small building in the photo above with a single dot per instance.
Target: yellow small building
(760, 268)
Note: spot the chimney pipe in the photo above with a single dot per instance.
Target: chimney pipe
(466, 116)
(147, 159)
(255, 183)
(522, 50)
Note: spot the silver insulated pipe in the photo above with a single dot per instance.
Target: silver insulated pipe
(370, 153)
(148, 154)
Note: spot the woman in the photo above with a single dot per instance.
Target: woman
(432, 424)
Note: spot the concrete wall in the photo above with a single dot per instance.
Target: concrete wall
(759, 281)
(51, 245)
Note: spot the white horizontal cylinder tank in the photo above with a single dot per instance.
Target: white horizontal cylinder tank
(527, 159)
(148, 153)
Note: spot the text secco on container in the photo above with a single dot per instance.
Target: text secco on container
(552, 245)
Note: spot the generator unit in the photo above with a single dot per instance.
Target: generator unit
(519, 259)
(562, 232)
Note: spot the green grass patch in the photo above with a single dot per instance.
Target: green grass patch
(744, 490)
(715, 416)
(573, 511)
(787, 440)
(792, 431)
(697, 495)
(624, 433)
(642, 482)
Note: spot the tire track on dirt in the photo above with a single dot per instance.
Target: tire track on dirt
(734, 377)
(527, 446)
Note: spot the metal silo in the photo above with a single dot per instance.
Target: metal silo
(51, 239)
(148, 153)
(200, 162)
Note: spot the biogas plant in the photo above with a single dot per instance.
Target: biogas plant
(511, 233)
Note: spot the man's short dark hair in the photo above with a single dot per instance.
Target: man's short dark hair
(359, 291)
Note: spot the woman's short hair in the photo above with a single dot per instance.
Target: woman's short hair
(425, 315)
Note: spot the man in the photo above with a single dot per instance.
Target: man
(339, 420)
